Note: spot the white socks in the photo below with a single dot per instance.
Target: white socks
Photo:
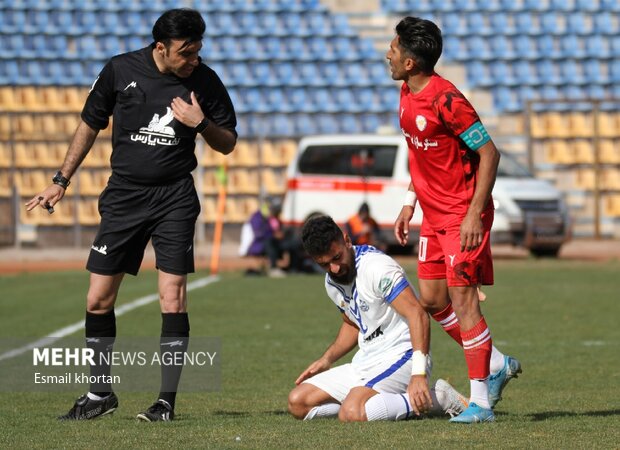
(480, 393)
(326, 410)
(384, 406)
(497, 360)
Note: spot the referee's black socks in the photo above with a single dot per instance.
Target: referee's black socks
(173, 345)
(100, 335)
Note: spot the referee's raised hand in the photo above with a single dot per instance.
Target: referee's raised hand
(46, 199)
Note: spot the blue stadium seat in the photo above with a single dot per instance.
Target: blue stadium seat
(603, 24)
(267, 23)
(453, 50)
(549, 23)
(12, 21)
(573, 92)
(87, 47)
(571, 72)
(366, 49)
(609, 5)
(256, 101)
(327, 123)
(319, 49)
(340, 24)
(251, 48)
(478, 74)
(332, 75)
(281, 125)
(524, 73)
(501, 48)
(586, 5)
(548, 47)
(501, 74)
(560, 5)
(501, 23)
(237, 75)
(309, 74)
(388, 98)
(299, 99)
(596, 46)
(547, 73)
(476, 24)
(345, 100)
(296, 49)
(593, 72)
(525, 94)
(453, 25)
(614, 71)
(505, 99)
(570, 47)
(370, 123)
(344, 49)
(614, 46)
(236, 99)
(366, 99)
(533, 5)
(36, 22)
(318, 24)
(524, 47)
(378, 73)
(284, 74)
(247, 23)
(261, 74)
(304, 124)
(273, 48)
(356, 75)
(576, 23)
(291, 23)
(276, 101)
(322, 100)
(525, 25)
(477, 48)
(348, 124)
(596, 92)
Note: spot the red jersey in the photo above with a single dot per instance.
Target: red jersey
(443, 169)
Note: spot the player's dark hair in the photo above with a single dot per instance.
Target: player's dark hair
(181, 23)
(318, 233)
(421, 40)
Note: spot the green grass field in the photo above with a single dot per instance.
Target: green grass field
(560, 318)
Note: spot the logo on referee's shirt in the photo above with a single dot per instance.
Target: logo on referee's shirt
(420, 122)
(158, 131)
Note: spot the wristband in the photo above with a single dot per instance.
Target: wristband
(60, 180)
(418, 363)
(410, 198)
(204, 123)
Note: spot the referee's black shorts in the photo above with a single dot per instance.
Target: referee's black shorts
(132, 214)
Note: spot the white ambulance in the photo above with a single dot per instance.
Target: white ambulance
(334, 175)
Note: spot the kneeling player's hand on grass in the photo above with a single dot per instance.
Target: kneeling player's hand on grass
(318, 366)
(419, 394)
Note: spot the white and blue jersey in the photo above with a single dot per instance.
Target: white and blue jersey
(383, 333)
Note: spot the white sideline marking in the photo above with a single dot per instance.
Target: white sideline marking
(66, 331)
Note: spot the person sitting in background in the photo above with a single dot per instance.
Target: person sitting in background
(271, 240)
(363, 229)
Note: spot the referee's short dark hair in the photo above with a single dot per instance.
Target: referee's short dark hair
(181, 23)
(318, 233)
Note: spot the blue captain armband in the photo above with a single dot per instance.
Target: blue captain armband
(475, 136)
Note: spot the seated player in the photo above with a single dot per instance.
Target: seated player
(388, 377)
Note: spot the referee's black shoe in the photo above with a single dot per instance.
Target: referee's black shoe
(160, 411)
(86, 408)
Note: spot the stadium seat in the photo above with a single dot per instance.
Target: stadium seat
(571, 72)
(6, 159)
(525, 25)
(327, 123)
(596, 47)
(453, 50)
(501, 73)
(476, 48)
(603, 24)
(348, 124)
(593, 73)
(612, 205)
(576, 22)
(571, 47)
(500, 23)
(88, 212)
(609, 151)
(524, 47)
(304, 124)
(524, 74)
(273, 181)
(243, 181)
(548, 47)
(580, 124)
(505, 99)
(454, 25)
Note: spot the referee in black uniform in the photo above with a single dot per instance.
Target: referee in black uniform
(161, 97)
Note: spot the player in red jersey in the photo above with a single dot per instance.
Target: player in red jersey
(453, 164)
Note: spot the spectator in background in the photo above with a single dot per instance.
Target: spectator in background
(271, 240)
(363, 229)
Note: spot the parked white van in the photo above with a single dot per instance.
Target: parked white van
(334, 175)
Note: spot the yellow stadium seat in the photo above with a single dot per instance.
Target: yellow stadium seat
(25, 155)
(537, 125)
(558, 151)
(288, 147)
(585, 179)
(209, 209)
(273, 181)
(29, 99)
(580, 124)
(6, 185)
(243, 181)
(25, 126)
(31, 182)
(607, 124)
(6, 130)
(99, 155)
(211, 158)
(210, 183)
(610, 179)
(73, 98)
(609, 151)
(88, 212)
(612, 205)
(8, 102)
(238, 210)
(556, 125)
(583, 151)
(5, 155)
(92, 182)
(245, 154)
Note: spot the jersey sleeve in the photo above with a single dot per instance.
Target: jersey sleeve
(455, 111)
(101, 99)
(388, 278)
(219, 107)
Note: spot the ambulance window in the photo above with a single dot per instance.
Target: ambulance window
(350, 160)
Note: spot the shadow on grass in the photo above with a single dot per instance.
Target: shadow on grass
(536, 417)
(231, 413)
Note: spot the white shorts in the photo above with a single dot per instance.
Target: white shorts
(392, 375)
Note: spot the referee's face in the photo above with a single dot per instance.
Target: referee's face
(177, 58)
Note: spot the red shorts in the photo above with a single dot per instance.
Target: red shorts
(440, 256)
